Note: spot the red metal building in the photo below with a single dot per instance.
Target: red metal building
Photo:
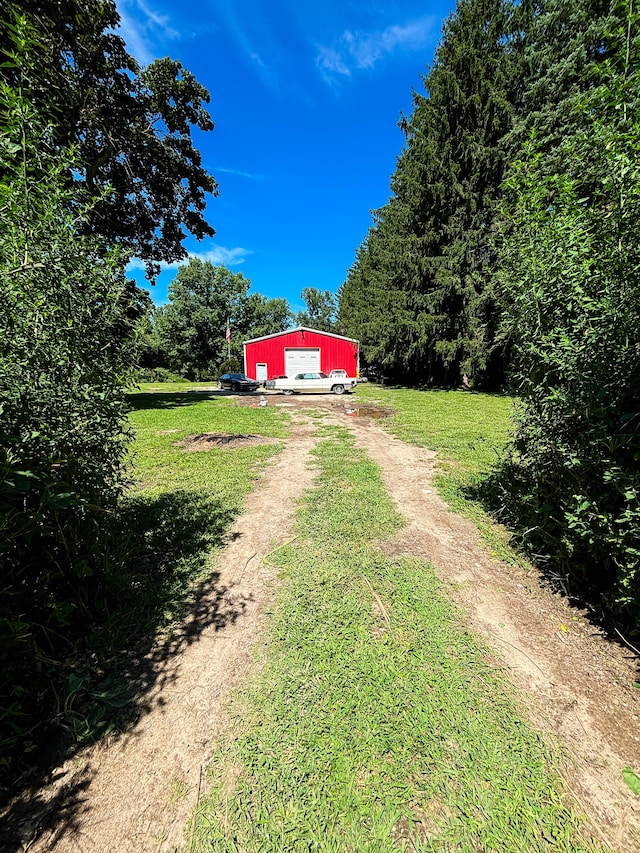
(299, 351)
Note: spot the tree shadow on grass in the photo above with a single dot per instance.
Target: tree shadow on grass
(157, 595)
(171, 400)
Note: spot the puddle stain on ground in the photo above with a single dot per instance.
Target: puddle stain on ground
(367, 412)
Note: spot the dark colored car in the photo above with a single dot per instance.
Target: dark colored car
(238, 382)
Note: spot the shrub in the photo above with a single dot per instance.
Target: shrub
(67, 343)
(157, 374)
(570, 267)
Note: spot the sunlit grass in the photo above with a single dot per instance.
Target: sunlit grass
(466, 427)
(162, 419)
(378, 723)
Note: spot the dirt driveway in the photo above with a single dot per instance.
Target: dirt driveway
(136, 792)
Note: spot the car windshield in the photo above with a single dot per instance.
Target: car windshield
(323, 376)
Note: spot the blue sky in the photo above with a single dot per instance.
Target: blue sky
(306, 98)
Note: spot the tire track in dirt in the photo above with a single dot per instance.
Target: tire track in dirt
(136, 791)
(577, 685)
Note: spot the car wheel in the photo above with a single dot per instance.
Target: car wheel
(234, 386)
(338, 389)
(288, 391)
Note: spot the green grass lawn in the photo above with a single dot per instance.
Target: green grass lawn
(468, 428)
(377, 723)
(164, 417)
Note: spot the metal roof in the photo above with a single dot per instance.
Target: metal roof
(301, 329)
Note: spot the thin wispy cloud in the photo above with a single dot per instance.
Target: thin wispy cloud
(246, 43)
(143, 29)
(331, 61)
(359, 51)
(217, 255)
(221, 255)
(250, 29)
(157, 20)
(239, 173)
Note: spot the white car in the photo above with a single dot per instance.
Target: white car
(315, 383)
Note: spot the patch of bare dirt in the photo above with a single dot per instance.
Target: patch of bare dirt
(577, 684)
(135, 792)
(207, 440)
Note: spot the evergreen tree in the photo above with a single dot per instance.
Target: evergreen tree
(429, 249)
(566, 42)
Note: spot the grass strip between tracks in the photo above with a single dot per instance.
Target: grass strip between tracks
(377, 723)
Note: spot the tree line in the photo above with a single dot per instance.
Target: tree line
(507, 256)
(187, 337)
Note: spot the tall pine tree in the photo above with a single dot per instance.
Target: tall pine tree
(427, 259)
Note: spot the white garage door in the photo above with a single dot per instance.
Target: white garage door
(305, 360)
